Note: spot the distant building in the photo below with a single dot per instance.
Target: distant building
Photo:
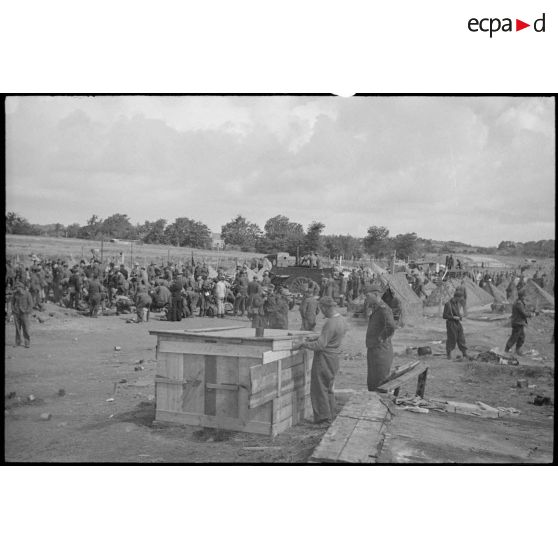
(217, 243)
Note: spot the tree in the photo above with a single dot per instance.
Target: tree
(58, 229)
(152, 232)
(281, 235)
(346, 246)
(72, 231)
(313, 241)
(116, 226)
(92, 229)
(15, 224)
(405, 245)
(187, 232)
(375, 242)
(240, 232)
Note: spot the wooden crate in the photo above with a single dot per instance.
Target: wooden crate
(230, 379)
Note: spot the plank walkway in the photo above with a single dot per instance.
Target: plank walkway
(356, 435)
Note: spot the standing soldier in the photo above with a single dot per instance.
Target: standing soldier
(518, 322)
(22, 306)
(94, 290)
(381, 327)
(454, 328)
(75, 288)
(308, 311)
(325, 364)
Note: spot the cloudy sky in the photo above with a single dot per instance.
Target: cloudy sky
(478, 170)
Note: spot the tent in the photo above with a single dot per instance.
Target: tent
(537, 297)
(411, 304)
(498, 294)
(476, 296)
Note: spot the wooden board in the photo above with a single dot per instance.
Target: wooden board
(224, 423)
(453, 438)
(194, 348)
(391, 385)
(356, 435)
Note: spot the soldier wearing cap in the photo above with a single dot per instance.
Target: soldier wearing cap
(325, 365)
(518, 322)
(308, 310)
(22, 306)
(381, 327)
(454, 329)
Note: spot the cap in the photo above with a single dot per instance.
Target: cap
(327, 301)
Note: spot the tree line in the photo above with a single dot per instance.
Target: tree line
(279, 234)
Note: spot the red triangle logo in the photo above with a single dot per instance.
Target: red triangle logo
(519, 25)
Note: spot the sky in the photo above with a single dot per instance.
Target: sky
(473, 169)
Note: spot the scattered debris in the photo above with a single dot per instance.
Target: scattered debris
(11, 395)
(422, 351)
(110, 400)
(46, 416)
(140, 361)
(414, 409)
(521, 383)
(110, 416)
(75, 339)
(62, 424)
(150, 397)
(532, 386)
(494, 356)
(31, 398)
(123, 381)
(508, 411)
(139, 368)
(117, 348)
(472, 409)
(61, 392)
(542, 400)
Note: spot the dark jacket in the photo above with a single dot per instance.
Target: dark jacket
(22, 303)
(519, 313)
(381, 325)
(451, 310)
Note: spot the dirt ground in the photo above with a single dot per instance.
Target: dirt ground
(102, 408)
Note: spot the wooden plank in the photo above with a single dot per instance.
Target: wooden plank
(393, 384)
(263, 378)
(227, 374)
(225, 423)
(365, 405)
(193, 393)
(335, 439)
(228, 387)
(272, 356)
(244, 365)
(421, 384)
(455, 438)
(174, 365)
(282, 344)
(195, 348)
(364, 443)
(210, 400)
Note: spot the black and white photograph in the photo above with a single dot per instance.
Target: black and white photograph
(279, 279)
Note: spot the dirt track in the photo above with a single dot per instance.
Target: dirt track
(77, 354)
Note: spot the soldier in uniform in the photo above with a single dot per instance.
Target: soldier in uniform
(518, 322)
(381, 327)
(94, 290)
(308, 311)
(454, 329)
(22, 306)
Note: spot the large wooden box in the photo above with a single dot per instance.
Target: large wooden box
(230, 379)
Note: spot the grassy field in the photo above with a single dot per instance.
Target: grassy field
(73, 249)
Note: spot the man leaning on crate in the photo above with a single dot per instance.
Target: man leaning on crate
(326, 361)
